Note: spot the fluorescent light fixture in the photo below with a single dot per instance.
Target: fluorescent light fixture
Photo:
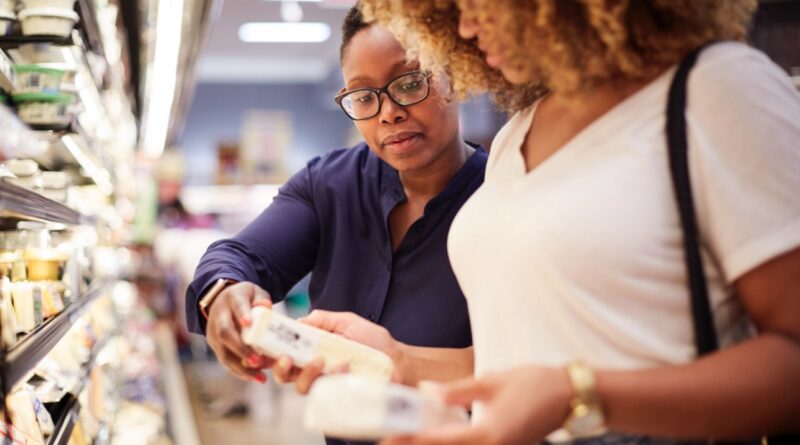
(291, 12)
(163, 75)
(99, 175)
(261, 32)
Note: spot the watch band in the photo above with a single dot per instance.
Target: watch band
(586, 417)
(212, 294)
(582, 379)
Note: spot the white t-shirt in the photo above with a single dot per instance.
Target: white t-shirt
(581, 258)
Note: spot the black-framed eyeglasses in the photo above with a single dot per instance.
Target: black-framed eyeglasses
(404, 90)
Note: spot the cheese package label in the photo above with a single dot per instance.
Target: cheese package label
(360, 408)
(277, 335)
(284, 336)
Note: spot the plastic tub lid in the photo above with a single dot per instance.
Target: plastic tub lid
(30, 68)
(60, 98)
(22, 167)
(40, 225)
(49, 12)
(54, 180)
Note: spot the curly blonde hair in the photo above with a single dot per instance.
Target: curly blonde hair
(565, 46)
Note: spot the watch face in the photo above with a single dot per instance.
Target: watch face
(585, 421)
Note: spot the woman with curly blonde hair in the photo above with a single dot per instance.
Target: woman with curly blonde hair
(571, 255)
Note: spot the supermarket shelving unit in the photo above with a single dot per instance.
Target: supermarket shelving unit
(45, 144)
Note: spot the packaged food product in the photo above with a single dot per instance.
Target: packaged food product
(25, 170)
(60, 4)
(43, 417)
(277, 335)
(45, 108)
(7, 19)
(54, 185)
(354, 407)
(23, 417)
(47, 21)
(27, 298)
(7, 5)
(8, 319)
(43, 260)
(38, 79)
(52, 302)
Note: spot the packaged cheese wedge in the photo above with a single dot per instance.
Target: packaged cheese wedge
(276, 335)
(354, 407)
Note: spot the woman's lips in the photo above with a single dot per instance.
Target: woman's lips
(402, 142)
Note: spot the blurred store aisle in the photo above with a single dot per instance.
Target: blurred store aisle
(274, 416)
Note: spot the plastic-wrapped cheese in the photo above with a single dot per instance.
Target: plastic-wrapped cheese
(354, 407)
(277, 335)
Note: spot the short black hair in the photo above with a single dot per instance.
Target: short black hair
(353, 23)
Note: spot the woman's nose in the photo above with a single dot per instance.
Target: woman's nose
(390, 112)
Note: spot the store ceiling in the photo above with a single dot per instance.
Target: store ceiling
(227, 59)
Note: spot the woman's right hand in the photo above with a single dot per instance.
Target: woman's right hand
(229, 313)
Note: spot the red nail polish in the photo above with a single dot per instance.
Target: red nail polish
(261, 378)
(253, 360)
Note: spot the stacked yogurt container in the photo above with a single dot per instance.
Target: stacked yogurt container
(47, 17)
(7, 16)
(40, 96)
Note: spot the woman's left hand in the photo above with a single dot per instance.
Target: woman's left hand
(521, 407)
(348, 325)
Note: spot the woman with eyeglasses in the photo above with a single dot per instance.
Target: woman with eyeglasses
(370, 222)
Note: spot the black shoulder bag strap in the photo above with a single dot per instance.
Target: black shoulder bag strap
(705, 335)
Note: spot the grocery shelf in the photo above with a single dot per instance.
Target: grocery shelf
(10, 42)
(24, 356)
(87, 369)
(183, 427)
(59, 127)
(70, 408)
(66, 423)
(18, 203)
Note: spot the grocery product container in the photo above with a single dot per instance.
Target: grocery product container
(45, 108)
(38, 79)
(48, 21)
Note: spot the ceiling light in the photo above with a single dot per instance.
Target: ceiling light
(284, 32)
(163, 76)
(291, 12)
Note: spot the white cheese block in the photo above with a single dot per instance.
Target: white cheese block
(354, 407)
(277, 335)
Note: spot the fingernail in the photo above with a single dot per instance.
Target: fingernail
(245, 321)
(261, 378)
(253, 360)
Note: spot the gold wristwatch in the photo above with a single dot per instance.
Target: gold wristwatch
(212, 294)
(586, 417)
